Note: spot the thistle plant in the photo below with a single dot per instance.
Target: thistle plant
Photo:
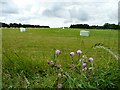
(72, 54)
(90, 59)
(79, 52)
(91, 62)
(57, 52)
(84, 64)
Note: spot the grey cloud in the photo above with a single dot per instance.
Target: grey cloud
(3, 2)
(113, 16)
(8, 7)
(68, 21)
(79, 14)
(62, 10)
(58, 10)
(48, 13)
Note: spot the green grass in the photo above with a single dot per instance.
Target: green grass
(25, 56)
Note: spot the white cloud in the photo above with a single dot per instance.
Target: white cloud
(59, 13)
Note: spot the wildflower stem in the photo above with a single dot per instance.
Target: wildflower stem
(71, 59)
(78, 57)
(54, 58)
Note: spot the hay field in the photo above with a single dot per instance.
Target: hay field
(25, 58)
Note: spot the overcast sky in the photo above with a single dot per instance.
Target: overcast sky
(58, 13)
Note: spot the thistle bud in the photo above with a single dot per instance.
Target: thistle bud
(58, 66)
(60, 85)
(52, 63)
(59, 75)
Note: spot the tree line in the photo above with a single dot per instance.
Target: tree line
(15, 25)
(84, 26)
(105, 26)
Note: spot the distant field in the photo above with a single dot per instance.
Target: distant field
(25, 56)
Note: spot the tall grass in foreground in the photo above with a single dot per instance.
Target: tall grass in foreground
(83, 74)
(27, 74)
(26, 56)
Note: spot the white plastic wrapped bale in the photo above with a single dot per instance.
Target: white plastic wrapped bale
(22, 30)
(84, 33)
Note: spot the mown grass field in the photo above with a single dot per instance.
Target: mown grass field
(25, 58)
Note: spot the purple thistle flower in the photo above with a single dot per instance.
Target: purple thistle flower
(57, 52)
(84, 64)
(91, 59)
(79, 52)
(71, 53)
